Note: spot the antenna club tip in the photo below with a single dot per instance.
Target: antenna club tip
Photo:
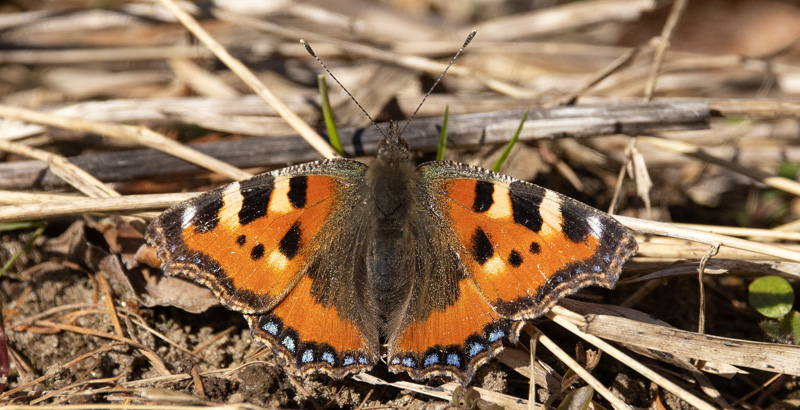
(308, 48)
(469, 38)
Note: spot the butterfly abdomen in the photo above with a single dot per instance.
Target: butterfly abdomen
(389, 273)
(392, 180)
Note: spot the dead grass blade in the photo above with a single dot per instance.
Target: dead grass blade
(251, 80)
(136, 134)
(562, 18)
(665, 229)
(445, 391)
(407, 61)
(687, 149)
(567, 319)
(78, 178)
(581, 372)
(678, 7)
(91, 205)
(770, 357)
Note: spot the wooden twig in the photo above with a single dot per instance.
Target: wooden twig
(422, 135)
(249, 115)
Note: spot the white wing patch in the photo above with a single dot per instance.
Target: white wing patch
(188, 216)
(596, 225)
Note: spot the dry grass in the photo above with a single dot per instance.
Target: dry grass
(715, 149)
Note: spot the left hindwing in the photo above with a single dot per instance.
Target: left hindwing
(521, 248)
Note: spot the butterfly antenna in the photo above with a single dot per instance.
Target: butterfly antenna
(310, 51)
(466, 43)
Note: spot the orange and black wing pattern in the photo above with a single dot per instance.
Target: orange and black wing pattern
(521, 248)
(257, 244)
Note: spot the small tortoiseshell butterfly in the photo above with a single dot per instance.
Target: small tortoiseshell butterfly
(442, 261)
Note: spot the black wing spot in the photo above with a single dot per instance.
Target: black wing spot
(297, 191)
(206, 217)
(257, 252)
(576, 228)
(483, 196)
(515, 259)
(525, 205)
(241, 240)
(255, 198)
(535, 248)
(482, 249)
(290, 243)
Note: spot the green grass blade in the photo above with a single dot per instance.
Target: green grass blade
(507, 150)
(39, 231)
(327, 114)
(443, 135)
(15, 226)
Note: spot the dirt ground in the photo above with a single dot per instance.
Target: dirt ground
(83, 364)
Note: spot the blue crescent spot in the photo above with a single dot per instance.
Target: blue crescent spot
(453, 360)
(348, 360)
(328, 357)
(271, 328)
(363, 360)
(196, 260)
(607, 258)
(496, 335)
(476, 348)
(308, 356)
(288, 342)
(431, 360)
(396, 360)
(409, 362)
(597, 268)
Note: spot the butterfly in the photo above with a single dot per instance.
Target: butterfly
(442, 261)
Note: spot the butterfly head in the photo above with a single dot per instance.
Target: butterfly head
(392, 148)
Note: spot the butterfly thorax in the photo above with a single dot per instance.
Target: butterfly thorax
(391, 178)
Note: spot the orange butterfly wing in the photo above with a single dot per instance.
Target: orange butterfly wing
(257, 244)
(521, 248)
